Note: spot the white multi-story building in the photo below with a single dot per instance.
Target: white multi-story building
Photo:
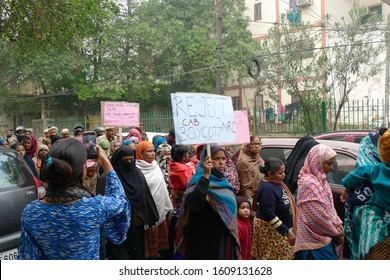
(265, 13)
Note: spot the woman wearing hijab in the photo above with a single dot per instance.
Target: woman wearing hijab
(134, 132)
(156, 238)
(114, 145)
(368, 155)
(30, 144)
(132, 142)
(232, 174)
(295, 161)
(40, 155)
(320, 232)
(143, 209)
(158, 142)
(163, 157)
(105, 144)
(208, 217)
(368, 201)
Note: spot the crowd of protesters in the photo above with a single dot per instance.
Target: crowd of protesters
(153, 199)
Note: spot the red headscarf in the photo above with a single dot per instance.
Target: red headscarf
(141, 147)
(34, 145)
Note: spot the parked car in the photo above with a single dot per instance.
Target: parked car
(18, 187)
(354, 136)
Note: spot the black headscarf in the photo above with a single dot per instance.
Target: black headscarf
(296, 160)
(133, 184)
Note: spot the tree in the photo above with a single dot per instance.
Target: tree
(153, 54)
(290, 60)
(99, 50)
(42, 43)
(357, 43)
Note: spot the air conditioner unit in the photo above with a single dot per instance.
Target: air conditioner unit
(303, 3)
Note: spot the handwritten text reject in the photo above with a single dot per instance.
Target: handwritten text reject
(203, 118)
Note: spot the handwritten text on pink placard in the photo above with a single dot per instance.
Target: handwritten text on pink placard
(120, 114)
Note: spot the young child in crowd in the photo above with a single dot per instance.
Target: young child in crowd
(244, 226)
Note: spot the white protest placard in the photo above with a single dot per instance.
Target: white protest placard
(203, 118)
(120, 113)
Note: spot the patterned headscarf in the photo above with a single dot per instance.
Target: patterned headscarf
(163, 161)
(317, 219)
(313, 163)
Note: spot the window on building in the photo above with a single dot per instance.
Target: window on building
(375, 9)
(236, 102)
(257, 11)
(372, 9)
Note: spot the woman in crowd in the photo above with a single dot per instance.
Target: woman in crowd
(179, 176)
(22, 152)
(248, 169)
(368, 155)
(156, 239)
(372, 220)
(208, 220)
(105, 145)
(320, 232)
(143, 209)
(134, 132)
(296, 160)
(114, 145)
(132, 142)
(158, 141)
(30, 144)
(163, 157)
(66, 223)
(231, 172)
(40, 155)
(4, 143)
(274, 232)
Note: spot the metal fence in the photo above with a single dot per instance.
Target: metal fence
(152, 121)
(289, 119)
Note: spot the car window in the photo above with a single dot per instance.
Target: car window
(280, 153)
(335, 138)
(342, 166)
(358, 139)
(13, 173)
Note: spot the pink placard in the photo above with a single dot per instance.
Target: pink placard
(242, 128)
(120, 114)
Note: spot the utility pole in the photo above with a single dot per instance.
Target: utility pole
(218, 87)
(387, 73)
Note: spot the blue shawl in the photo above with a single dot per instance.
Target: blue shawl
(220, 197)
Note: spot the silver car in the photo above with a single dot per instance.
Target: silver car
(18, 187)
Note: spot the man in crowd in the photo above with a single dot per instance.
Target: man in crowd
(110, 134)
